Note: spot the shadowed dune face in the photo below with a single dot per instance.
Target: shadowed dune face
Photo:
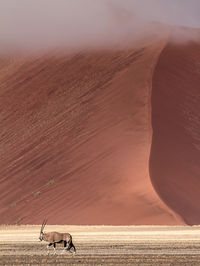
(175, 152)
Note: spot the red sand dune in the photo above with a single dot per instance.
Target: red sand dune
(175, 151)
(76, 135)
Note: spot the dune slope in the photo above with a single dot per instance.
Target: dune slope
(175, 152)
(75, 139)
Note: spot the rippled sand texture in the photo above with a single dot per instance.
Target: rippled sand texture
(76, 140)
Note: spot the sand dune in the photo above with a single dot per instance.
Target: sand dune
(175, 152)
(76, 135)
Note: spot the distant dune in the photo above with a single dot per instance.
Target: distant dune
(76, 140)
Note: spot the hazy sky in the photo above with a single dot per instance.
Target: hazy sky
(42, 23)
(177, 12)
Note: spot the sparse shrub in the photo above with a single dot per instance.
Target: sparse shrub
(51, 182)
(19, 220)
(13, 204)
(37, 193)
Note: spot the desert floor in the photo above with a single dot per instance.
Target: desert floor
(103, 245)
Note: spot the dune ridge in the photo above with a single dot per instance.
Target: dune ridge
(76, 139)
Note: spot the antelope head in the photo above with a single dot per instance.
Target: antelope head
(42, 230)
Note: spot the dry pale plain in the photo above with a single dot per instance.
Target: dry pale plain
(104, 245)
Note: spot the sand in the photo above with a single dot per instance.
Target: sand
(175, 150)
(104, 245)
(76, 139)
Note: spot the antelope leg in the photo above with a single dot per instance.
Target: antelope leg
(64, 247)
(72, 246)
(48, 247)
(54, 246)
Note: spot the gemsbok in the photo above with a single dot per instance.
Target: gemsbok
(56, 238)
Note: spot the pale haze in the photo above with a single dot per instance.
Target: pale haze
(52, 23)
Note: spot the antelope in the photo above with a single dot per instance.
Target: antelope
(54, 238)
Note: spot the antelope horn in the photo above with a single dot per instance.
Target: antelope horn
(43, 225)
